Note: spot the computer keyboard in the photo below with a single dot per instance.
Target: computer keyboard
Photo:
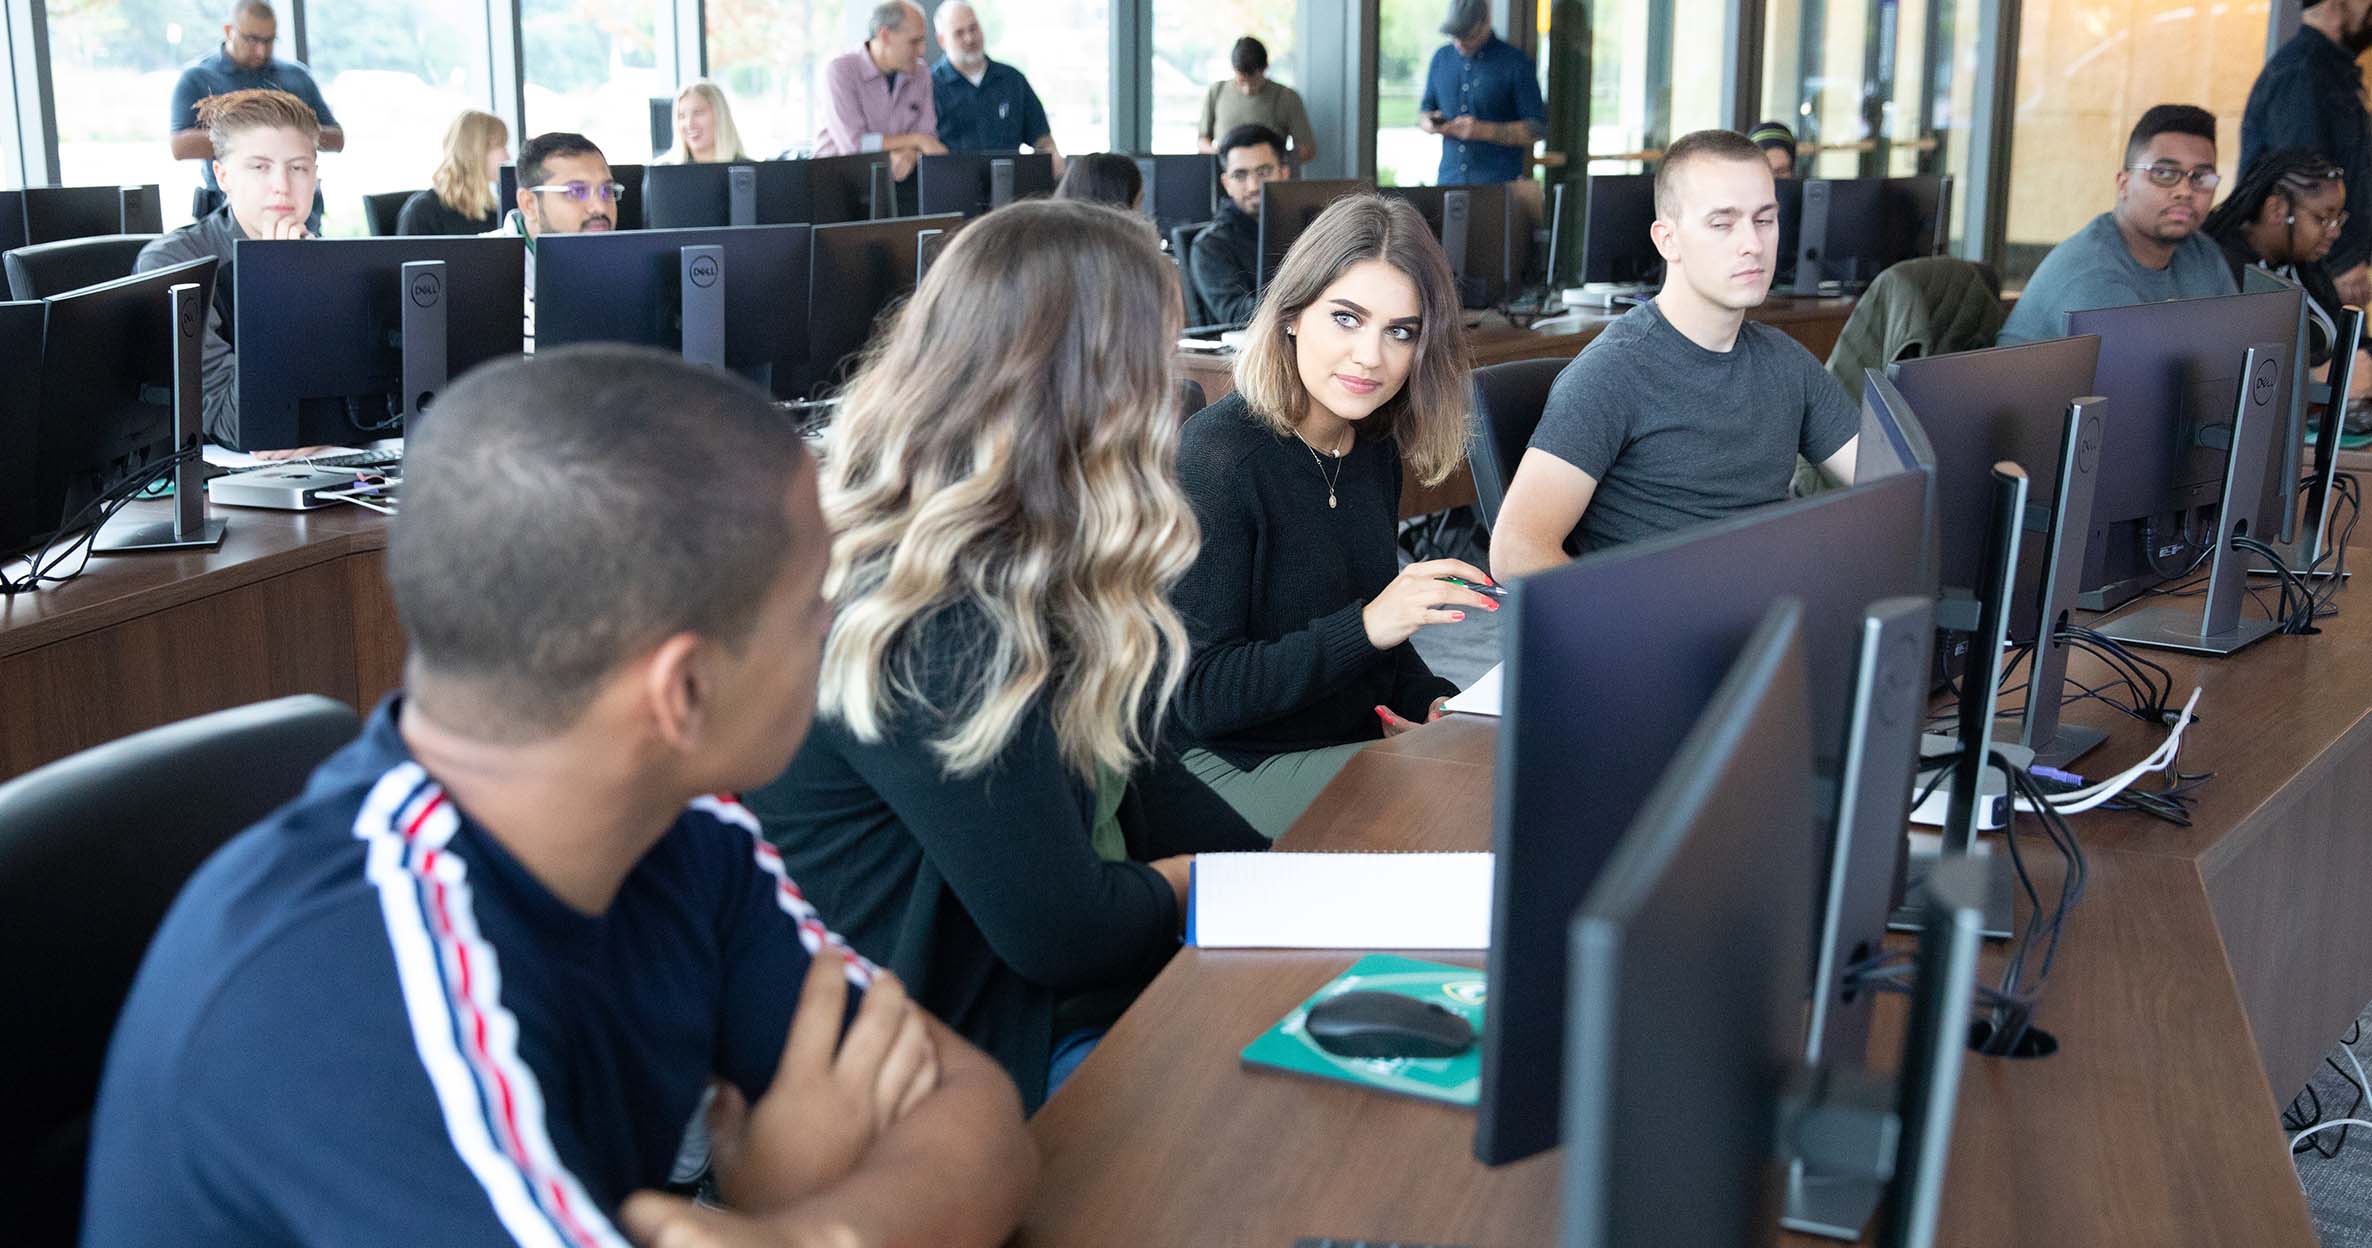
(360, 460)
(1320, 1241)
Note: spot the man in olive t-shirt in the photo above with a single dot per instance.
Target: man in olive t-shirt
(1683, 411)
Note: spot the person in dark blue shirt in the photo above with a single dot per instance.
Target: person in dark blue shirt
(243, 63)
(1483, 98)
(984, 105)
(470, 986)
(2311, 95)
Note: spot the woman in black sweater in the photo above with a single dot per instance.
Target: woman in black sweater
(1300, 613)
(460, 198)
(982, 805)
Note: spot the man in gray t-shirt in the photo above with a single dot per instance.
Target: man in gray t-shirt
(1683, 411)
(2149, 248)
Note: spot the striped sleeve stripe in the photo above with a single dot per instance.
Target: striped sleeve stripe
(467, 1041)
(813, 934)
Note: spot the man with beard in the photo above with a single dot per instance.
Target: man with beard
(2149, 247)
(985, 105)
(2311, 95)
(565, 187)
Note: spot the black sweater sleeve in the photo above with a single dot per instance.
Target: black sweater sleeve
(1234, 682)
(1414, 686)
(1013, 843)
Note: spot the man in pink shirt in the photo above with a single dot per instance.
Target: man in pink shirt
(878, 97)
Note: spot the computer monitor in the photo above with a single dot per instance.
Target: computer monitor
(1616, 249)
(144, 209)
(1287, 208)
(1976, 409)
(705, 196)
(1180, 189)
(1607, 661)
(859, 269)
(972, 183)
(2169, 372)
(1689, 957)
(642, 287)
(1852, 229)
(1476, 228)
(22, 521)
(341, 340)
(630, 199)
(105, 413)
(60, 212)
(856, 188)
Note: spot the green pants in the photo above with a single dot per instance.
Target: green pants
(1273, 794)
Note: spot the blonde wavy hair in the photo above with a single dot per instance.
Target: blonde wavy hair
(728, 136)
(460, 181)
(1428, 418)
(1009, 445)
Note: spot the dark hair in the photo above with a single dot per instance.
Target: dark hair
(572, 508)
(2292, 173)
(1773, 135)
(1248, 56)
(1693, 146)
(1102, 178)
(2169, 119)
(544, 147)
(1250, 134)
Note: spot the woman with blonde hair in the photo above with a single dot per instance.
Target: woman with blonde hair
(1354, 376)
(461, 196)
(704, 129)
(983, 805)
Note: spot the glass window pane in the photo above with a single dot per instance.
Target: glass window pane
(1643, 92)
(1407, 32)
(1065, 46)
(395, 75)
(2087, 70)
(592, 67)
(767, 54)
(113, 66)
(1874, 87)
(1191, 42)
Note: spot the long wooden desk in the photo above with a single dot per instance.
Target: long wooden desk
(1810, 321)
(291, 602)
(2202, 978)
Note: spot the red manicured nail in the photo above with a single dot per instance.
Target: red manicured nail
(1455, 616)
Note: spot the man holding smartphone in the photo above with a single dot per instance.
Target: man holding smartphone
(1482, 97)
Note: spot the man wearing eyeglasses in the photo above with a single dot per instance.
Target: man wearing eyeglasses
(1225, 262)
(244, 62)
(2150, 247)
(565, 187)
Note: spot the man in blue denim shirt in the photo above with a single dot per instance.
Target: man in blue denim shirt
(1483, 98)
(2310, 94)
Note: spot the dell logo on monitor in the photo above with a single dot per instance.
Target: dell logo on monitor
(427, 289)
(704, 272)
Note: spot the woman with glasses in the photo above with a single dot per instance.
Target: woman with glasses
(2284, 217)
(2149, 246)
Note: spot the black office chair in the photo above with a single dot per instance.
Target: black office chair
(1507, 403)
(380, 211)
(46, 269)
(93, 849)
(1182, 250)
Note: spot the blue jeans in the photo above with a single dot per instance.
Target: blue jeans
(1069, 1051)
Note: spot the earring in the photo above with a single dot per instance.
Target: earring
(1290, 333)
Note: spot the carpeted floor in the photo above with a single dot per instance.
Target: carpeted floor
(2339, 1189)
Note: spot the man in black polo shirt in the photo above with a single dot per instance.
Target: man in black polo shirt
(984, 105)
(1226, 259)
(2310, 94)
(244, 62)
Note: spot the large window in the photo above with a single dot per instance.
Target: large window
(1406, 34)
(113, 65)
(394, 75)
(767, 55)
(1874, 87)
(2087, 69)
(592, 67)
(1064, 47)
(1655, 74)
(1191, 42)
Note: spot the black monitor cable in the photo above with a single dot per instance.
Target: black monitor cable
(83, 527)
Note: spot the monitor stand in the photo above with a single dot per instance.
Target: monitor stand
(2219, 628)
(2042, 734)
(189, 529)
(2304, 558)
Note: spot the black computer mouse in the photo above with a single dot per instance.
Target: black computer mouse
(1386, 1024)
